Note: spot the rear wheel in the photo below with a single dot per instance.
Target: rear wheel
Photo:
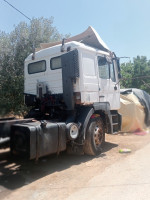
(95, 137)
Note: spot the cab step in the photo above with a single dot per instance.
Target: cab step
(115, 118)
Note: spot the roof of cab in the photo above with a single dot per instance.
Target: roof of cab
(54, 50)
(89, 39)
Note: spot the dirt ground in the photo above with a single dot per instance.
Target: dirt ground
(57, 177)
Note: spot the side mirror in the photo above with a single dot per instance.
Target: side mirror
(119, 70)
(119, 76)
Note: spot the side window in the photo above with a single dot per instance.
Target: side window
(112, 72)
(37, 67)
(55, 63)
(103, 67)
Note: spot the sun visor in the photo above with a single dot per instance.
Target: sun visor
(89, 37)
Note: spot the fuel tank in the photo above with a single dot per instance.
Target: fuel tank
(38, 138)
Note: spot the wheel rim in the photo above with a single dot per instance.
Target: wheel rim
(98, 136)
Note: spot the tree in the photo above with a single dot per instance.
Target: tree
(14, 48)
(136, 74)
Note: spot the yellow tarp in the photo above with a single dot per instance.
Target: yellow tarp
(132, 112)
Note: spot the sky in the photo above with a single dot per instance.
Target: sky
(124, 25)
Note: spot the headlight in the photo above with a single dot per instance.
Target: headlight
(72, 131)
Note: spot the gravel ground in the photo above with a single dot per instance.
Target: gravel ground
(59, 177)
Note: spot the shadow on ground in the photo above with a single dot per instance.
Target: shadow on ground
(16, 172)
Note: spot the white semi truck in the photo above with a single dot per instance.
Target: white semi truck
(73, 89)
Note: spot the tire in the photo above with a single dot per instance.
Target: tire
(95, 137)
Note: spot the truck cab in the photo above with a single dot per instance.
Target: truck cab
(94, 75)
(73, 89)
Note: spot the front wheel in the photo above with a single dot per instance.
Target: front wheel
(95, 137)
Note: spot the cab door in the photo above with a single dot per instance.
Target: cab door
(109, 89)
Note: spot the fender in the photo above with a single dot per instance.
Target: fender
(105, 107)
(83, 119)
(87, 112)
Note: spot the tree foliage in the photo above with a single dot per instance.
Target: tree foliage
(136, 74)
(14, 48)
(17, 45)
